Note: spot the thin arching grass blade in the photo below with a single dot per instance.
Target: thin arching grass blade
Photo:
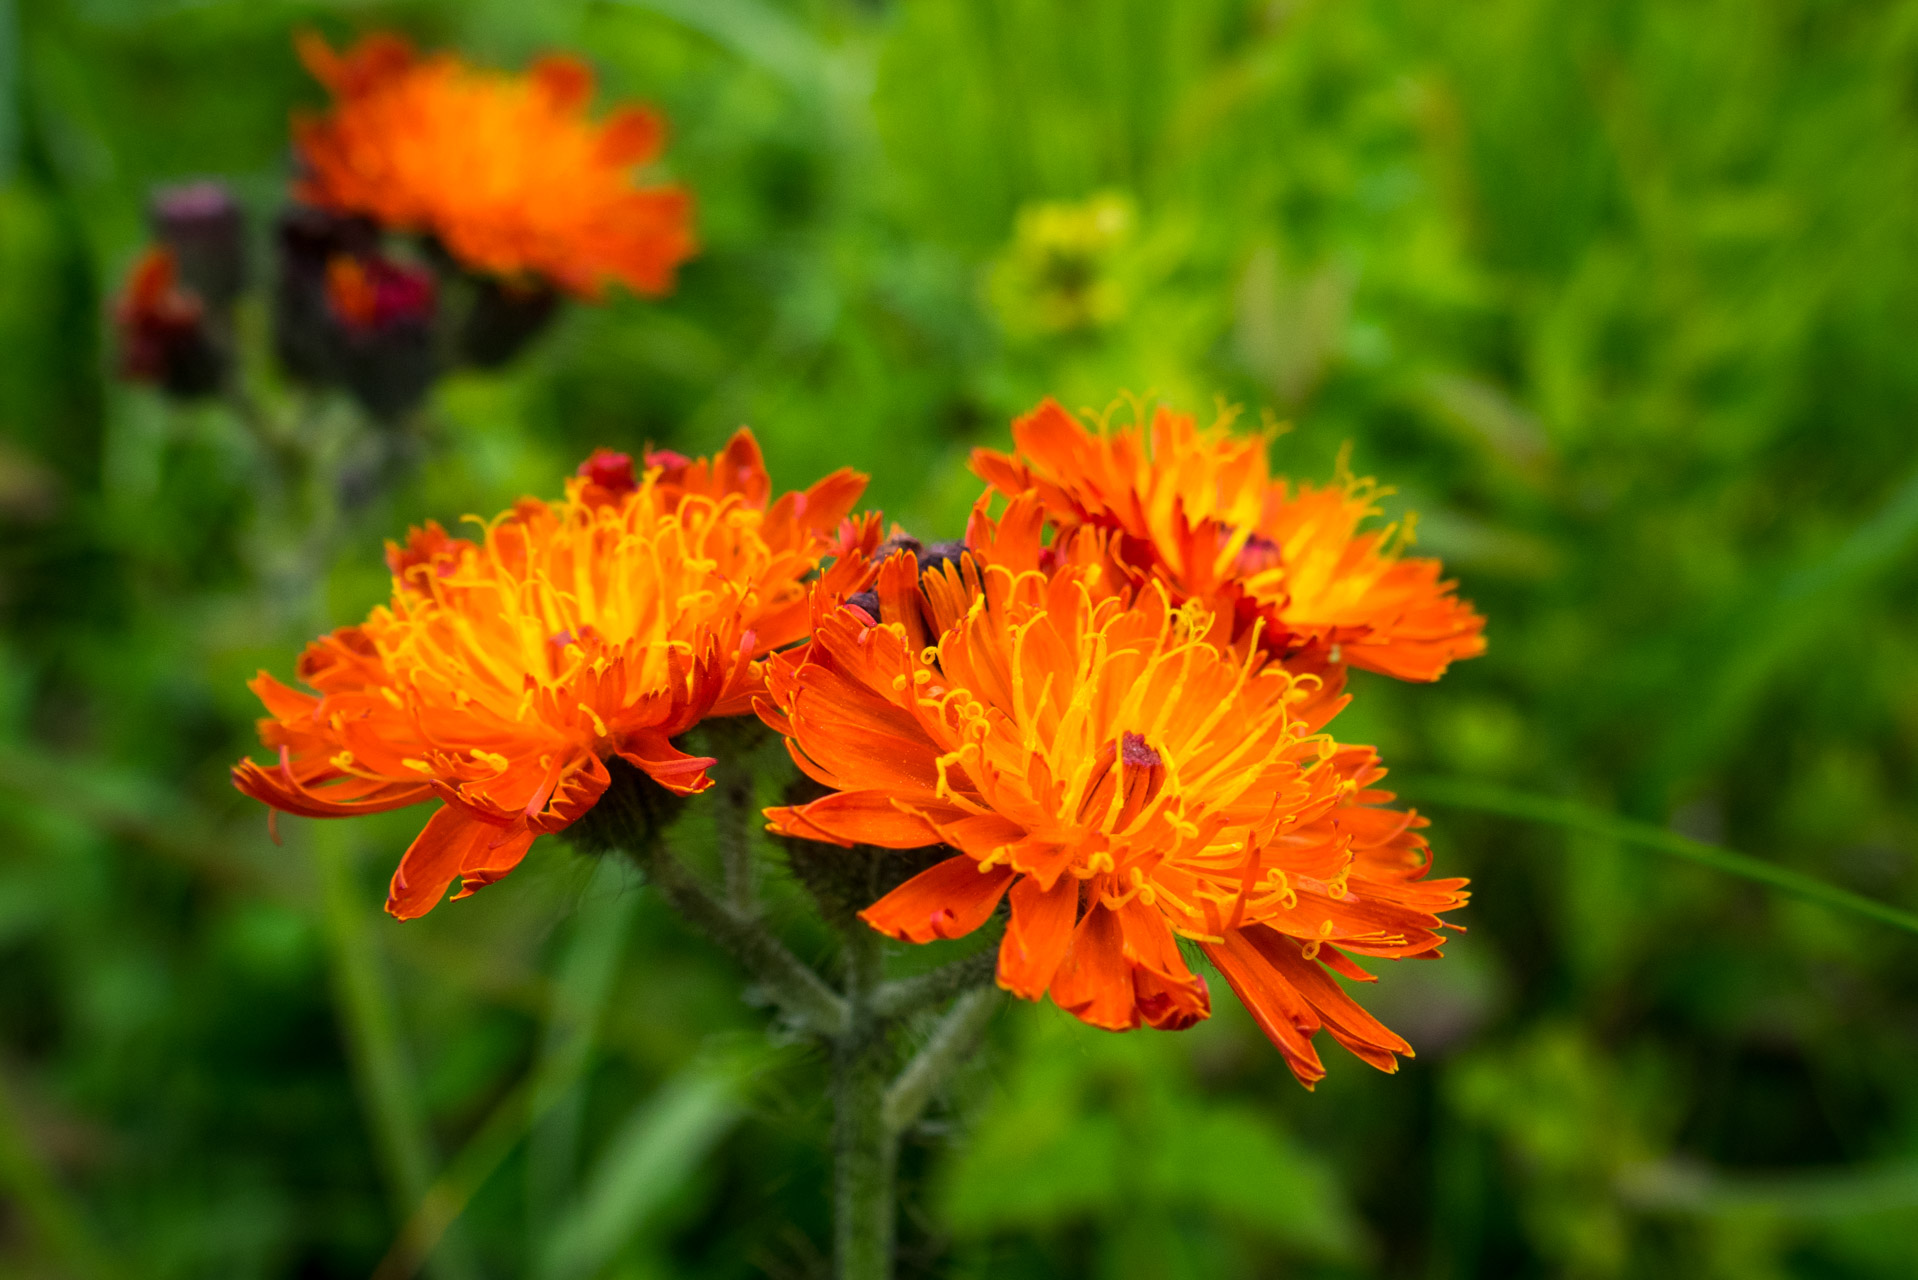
(1488, 797)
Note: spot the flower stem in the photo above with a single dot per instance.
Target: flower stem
(865, 1150)
(909, 995)
(733, 815)
(800, 993)
(956, 1036)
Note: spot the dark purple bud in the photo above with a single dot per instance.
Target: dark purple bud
(204, 226)
(383, 312)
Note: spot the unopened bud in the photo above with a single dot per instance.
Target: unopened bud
(383, 312)
(612, 472)
(165, 336)
(203, 224)
(306, 338)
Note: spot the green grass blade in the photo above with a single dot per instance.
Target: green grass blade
(759, 34)
(645, 1162)
(371, 1019)
(1488, 797)
(29, 1187)
(582, 988)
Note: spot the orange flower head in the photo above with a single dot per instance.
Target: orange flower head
(1125, 779)
(1198, 510)
(507, 671)
(509, 172)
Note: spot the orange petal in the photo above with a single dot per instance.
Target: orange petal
(1094, 984)
(449, 840)
(492, 860)
(667, 765)
(867, 817)
(1273, 1004)
(947, 901)
(631, 135)
(566, 81)
(1361, 1033)
(1037, 936)
(1169, 995)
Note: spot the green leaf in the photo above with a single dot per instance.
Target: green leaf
(661, 1142)
(1487, 797)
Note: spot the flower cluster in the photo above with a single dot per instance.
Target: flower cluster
(507, 172)
(1124, 732)
(1198, 512)
(507, 671)
(439, 214)
(1110, 706)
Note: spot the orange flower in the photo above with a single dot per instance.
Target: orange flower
(508, 172)
(1197, 510)
(506, 672)
(1127, 780)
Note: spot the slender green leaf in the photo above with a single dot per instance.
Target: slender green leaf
(371, 1018)
(645, 1162)
(1488, 797)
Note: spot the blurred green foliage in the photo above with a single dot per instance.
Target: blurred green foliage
(1620, 297)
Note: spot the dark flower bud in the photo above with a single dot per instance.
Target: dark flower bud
(165, 336)
(383, 312)
(306, 337)
(202, 223)
(937, 555)
(371, 294)
(899, 541)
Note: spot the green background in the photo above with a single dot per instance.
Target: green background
(1621, 298)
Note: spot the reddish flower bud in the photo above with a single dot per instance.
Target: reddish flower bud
(610, 471)
(165, 338)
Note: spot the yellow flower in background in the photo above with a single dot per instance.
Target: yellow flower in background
(1060, 273)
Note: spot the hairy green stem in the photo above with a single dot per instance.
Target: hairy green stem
(952, 1041)
(799, 992)
(865, 1151)
(909, 995)
(732, 819)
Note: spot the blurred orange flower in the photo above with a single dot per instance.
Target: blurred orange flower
(1125, 778)
(509, 172)
(1197, 510)
(507, 671)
